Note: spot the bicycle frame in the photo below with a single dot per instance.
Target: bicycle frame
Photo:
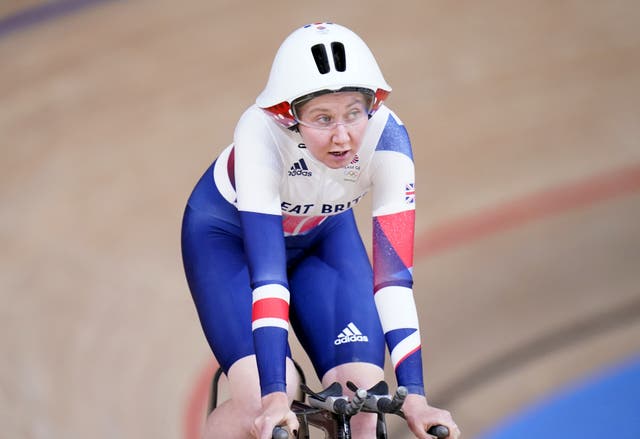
(333, 425)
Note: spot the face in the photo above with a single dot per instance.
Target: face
(333, 125)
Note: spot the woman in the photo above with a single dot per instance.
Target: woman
(269, 239)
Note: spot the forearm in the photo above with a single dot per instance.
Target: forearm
(399, 318)
(270, 324)
(265, 252)
(393, 281)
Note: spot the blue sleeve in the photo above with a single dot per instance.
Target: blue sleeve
(265, 248)
(266, 254)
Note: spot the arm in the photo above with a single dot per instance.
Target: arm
(258, 171)
(264, 246)
(393, 240)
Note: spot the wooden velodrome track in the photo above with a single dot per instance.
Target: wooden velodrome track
(524, 119)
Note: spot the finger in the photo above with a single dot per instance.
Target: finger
(292, 423)
(264, 428)
(267, 433)
(419, 431)
(254, 430)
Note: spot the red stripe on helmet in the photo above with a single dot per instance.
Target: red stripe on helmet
(282, 114)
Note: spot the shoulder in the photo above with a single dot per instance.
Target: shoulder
(256, 125)
(253, 118)
(383, 115)
(386, 122)
(259, 139)
(393, 135)
(255, 130)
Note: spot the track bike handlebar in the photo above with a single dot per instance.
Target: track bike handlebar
(439, 431)
(383, 403)
(374, 400)
(340, 405)
(280, 433)
(379, 401)
(387, 405)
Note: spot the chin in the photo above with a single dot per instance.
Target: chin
(337, 163)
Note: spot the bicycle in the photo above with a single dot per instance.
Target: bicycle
(330, 410)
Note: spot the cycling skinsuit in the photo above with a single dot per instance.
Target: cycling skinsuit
(269, 239)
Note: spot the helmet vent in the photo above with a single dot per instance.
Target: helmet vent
(339, 58)
(321, 59)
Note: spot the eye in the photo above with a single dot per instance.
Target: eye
(323, 119)
(355, 114)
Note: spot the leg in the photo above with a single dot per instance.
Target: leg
(364, 375)
(334, 315)
(243, 406)
(216, 270)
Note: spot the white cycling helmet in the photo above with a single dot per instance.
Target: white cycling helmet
(320, 58)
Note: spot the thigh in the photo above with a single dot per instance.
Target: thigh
(218, 278)
(332, 306)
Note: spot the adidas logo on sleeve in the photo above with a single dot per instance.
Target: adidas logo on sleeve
(350, 334)
(300, 168)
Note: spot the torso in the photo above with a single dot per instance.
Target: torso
(307, 190)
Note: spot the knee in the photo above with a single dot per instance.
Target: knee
(233, 419)
(249, 410)
(363, 375)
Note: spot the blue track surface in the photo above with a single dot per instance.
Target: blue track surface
(605, 405)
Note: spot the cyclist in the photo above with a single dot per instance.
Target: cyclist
(269, 239)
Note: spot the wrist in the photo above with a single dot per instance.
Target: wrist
(275, 398)
(277, 387)
(415, 389)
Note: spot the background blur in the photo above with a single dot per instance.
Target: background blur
(524, 120)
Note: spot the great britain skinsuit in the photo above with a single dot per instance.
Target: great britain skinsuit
(269, 239)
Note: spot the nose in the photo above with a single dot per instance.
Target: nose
(340, 134)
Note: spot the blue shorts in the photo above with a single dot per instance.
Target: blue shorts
(332, 308)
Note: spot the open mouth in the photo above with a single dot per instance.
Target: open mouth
(338, 153)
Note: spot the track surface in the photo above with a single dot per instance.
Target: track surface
(524, 122)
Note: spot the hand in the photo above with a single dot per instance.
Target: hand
(420, 417)
(275, 411)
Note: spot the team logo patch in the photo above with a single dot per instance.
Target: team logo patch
(350, 334)
(410, 193)
(352, 170)
(300, 168)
